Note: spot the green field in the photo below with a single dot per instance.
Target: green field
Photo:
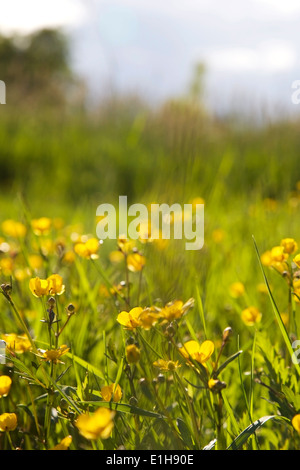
(240, 390)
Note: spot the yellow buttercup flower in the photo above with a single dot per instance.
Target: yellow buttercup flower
(296, 422)
(56, 286)
(290, 246)
(296, 260)
(149, 317)
(13, 229)
(251, 315)
(64, 444)
(39, 287)
(200, 353)
(5, 384)
(130, 319)
(35, 261)
(166, 366)
(174, 310)
(237, 289)
(6, 266)
(41, 226)
(53, 285)
(278, 254)
(136, 262)
(296, 289)
(98, 425)
(17, 343)
(54, 355)
(133, 353)
(125, 245)
(111, 391)
(88, 249)
(8, 422)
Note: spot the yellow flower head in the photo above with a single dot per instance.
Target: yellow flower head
(290, 246)
(130, 319)
(88, 249)
(111, 391)
(54, 355)
(200, 353)
(296, 260)
(278, 254)
(5, 384)
(296, 422)
(237, 289)
(41, 226)
(135, 262)
(125, 245)
(17, 344)
(166, 366)
(39, 287)
(251, 315)
(14, 229)
(56, 286)
(174, 310)
(64, 444)
(148, 317)
(53, 285)
(98, 425)
(133, 353)
(296, 288)
(8, 422)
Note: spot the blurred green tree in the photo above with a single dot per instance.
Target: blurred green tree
(36, 69)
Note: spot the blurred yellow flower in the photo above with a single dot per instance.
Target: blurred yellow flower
(130, 319)
(35, 261)
(88, 249)
(41, 226)
(17, 344)
(290, 246)
(296, 422)
(111, 391)
(135, 262)
(98, 425)
(6, 266)
(237, 289)
(148, 317)
(125, 245)
(8, 422)
(251, 315)
(200, 353)
(218, 235)
(56, 286)
(166, 366)
(296, 260)
(14, 229)
(296, 289)
(5, 384)
(175, 309)
(133, 353)
(64, 444)
(116, 256)
(68, 257)
(53, 285)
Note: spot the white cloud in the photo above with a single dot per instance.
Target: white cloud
(26, 16)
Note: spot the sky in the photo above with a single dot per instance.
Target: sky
(250, 48)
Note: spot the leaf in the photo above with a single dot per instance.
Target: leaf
(185, 433)
(225, 363)
(242, 438)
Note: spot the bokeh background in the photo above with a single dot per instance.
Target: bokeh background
(144, 99)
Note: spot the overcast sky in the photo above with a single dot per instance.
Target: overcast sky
(251, 48)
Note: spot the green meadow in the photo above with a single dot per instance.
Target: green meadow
(144, 344)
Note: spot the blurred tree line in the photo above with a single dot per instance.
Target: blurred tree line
(36, 70)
